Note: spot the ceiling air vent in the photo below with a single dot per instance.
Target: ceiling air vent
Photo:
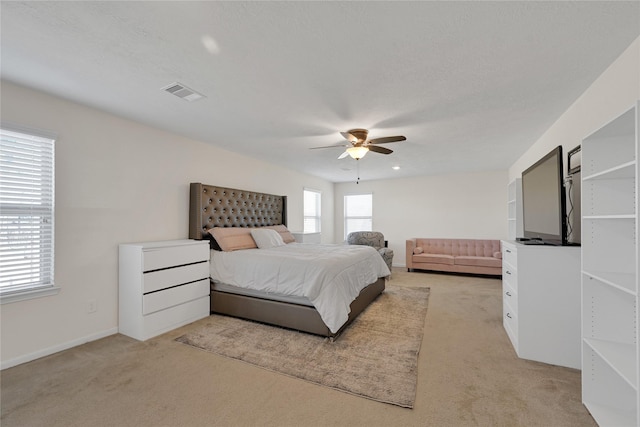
(181, 91)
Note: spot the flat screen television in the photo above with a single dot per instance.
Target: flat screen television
(543, 200)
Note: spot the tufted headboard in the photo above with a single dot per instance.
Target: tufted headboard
(212, 206)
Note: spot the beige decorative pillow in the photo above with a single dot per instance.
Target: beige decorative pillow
(233, 238)
(497, 255)
(418, 250)
(287, 237)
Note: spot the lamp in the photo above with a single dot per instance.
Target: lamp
(357, 152)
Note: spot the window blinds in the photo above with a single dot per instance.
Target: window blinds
(312, 211)
(26, 212)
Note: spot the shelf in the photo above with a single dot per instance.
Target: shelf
(615, 216)
(514, 209)
(620, 357)
(609, 415)
(606, 197)
(625, 282)
(625, 170)
(609, 313)
(608, 244)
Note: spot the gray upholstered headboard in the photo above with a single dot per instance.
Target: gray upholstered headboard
(212, 206)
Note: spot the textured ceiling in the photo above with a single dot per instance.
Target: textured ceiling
(470, 84)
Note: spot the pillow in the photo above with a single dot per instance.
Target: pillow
(418, 250)
(287, 237)
(233, 238)
(497, 255)
(266, 238)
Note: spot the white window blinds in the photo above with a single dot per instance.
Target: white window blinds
(26, 212)
(358, 213)
(312, 211)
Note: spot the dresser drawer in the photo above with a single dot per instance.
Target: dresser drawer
(169, 256)
(510, 322)
(160, 279)
(160, 300)
(509, 299)
(509, 276)
(509, 255)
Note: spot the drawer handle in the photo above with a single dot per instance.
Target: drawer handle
(508, 293)
(508, 250)
(509, 316)
(508, 272)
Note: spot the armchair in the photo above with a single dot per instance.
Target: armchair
(375, 239)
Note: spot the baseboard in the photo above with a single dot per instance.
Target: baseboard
(55, 349)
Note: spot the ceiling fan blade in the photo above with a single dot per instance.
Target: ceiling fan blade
(330, 146)
(355, 135)
(387, 139)
(343, 155)
(348, 136)
(380, 150)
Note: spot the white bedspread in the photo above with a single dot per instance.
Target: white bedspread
(330, 276)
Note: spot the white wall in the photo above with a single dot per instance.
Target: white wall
(118, 181)
(615, 91)
(472, 206)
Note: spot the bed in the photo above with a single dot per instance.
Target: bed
(231, 212)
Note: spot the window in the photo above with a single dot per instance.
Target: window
(312, 211)
(358, 213)
(26, 216)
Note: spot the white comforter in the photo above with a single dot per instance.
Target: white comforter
(330, 276)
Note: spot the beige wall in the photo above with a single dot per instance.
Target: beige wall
(615, 91)
(472, 206)
(118, 181)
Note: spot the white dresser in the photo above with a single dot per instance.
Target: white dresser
(541, 302)
(162, 285)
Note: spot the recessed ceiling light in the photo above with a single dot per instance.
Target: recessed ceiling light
(395, 168)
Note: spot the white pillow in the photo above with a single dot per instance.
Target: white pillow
(266, 238)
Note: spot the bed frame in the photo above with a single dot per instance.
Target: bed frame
(212, 206)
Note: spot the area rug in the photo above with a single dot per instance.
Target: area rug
(375, 357)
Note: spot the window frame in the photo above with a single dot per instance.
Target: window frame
(347, 217)
(12, 137)
(318, 208)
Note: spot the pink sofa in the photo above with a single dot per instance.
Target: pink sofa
(455, 255)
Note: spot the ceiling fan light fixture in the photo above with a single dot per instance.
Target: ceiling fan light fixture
(357, 152)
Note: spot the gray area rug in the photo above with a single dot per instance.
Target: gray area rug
(375, 357)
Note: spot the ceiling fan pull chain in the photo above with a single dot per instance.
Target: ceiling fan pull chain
(358, 170)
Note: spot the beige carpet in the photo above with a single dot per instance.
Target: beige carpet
(468, 376)
(375, 357)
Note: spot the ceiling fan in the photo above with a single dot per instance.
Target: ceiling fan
(359, 144)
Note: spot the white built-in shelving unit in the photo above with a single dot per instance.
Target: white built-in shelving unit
(610, 255)
(514, 209)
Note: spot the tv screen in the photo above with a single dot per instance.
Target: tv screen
(544, 210)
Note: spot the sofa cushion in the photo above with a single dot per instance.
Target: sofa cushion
(433, 258)
(478, 261)
(418, 250)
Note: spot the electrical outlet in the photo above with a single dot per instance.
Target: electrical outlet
(92, 306)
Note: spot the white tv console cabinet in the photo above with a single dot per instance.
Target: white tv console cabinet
(541, 302)
(162, 285)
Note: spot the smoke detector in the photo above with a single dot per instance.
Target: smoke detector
(181, 91)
